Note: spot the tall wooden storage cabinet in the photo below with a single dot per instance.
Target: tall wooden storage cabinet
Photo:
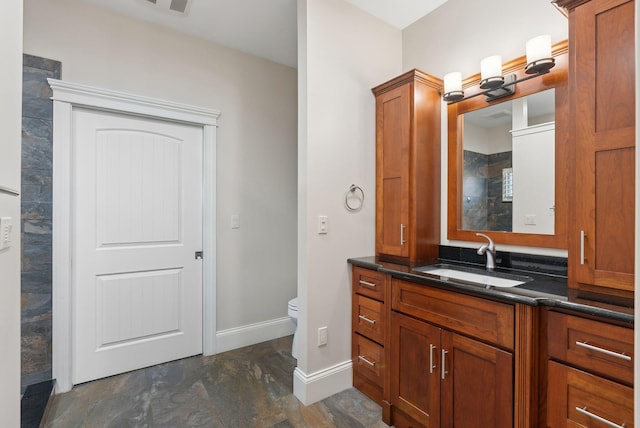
(408, 167)
(602, 85)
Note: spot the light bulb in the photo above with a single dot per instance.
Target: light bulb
(491, 72)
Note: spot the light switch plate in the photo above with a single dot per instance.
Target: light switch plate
(322, 336)
(323, 225)
(6, 227)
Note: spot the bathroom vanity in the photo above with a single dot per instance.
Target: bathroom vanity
(436, 351)
(438, 340)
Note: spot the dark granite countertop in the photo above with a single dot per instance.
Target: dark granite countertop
(546, 285)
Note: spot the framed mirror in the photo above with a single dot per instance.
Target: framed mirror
(509, 160)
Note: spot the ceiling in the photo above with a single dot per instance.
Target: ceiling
(264, 28)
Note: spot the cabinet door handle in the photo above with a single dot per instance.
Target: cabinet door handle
(585, 412)
(582, 236)
(367, 283)
(402, 241)
(604, 351)
(444, 371)
(362, 358)
(363, 318)
(432, 366)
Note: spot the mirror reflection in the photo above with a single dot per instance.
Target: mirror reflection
(509, 166)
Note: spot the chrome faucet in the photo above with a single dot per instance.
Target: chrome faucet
(490, 250)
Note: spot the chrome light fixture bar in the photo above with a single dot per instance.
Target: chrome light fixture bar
(493, 84)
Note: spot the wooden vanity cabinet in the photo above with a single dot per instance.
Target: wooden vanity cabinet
(369, 332)
(589, 372)
(602, 87)
(451, 358)
(408, 167)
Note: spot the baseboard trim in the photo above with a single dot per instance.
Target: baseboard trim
(323, 383)
(238, 337)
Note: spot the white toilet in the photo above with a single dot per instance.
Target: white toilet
(292, 310)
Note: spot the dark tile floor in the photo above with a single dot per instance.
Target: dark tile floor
(243, 388)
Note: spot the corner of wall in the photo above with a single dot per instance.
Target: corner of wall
(311, 388)
(238, 337)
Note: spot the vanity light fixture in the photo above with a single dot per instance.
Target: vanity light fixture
(453, 86)
(493, 84)
(491, 72)
(539, 57)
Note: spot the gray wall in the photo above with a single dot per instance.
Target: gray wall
(37, 139)
(483, 207)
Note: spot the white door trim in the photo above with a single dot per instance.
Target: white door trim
(66, 97)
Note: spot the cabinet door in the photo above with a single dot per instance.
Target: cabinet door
(369, 368)
(604, 72)
(367, 282)
(579, 399)
(415, 375)
(393, 119)
(477, 385)
(369, 318)
(591, 345)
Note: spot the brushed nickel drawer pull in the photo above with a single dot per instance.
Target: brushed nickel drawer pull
(368, 284)
(432, 366)
(582, 236)
(372, 364)
(443, 368)
(402, 241)
(363, 318)
(604, 351)
(585, 412)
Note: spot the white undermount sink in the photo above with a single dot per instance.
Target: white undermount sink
(477, 278)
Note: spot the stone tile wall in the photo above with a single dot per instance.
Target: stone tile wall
(474, 211)
(483, 208)
(500, 214)
(37, 168)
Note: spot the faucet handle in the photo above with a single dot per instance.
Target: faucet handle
(491, 246)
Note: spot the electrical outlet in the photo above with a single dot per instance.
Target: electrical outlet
(322, 336)
(530, 219)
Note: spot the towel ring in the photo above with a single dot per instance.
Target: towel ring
(352, 193)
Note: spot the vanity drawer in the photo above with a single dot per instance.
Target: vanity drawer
(591, 345)
(368, 283)
(369, 318)
(474, 316)
(577, 398)
(368, 359)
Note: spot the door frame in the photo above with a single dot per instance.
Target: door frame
(66, 97)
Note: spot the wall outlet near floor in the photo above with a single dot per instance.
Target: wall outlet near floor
(322, 336)
(530, 219)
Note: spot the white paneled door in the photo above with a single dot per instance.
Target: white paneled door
(137, 224)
